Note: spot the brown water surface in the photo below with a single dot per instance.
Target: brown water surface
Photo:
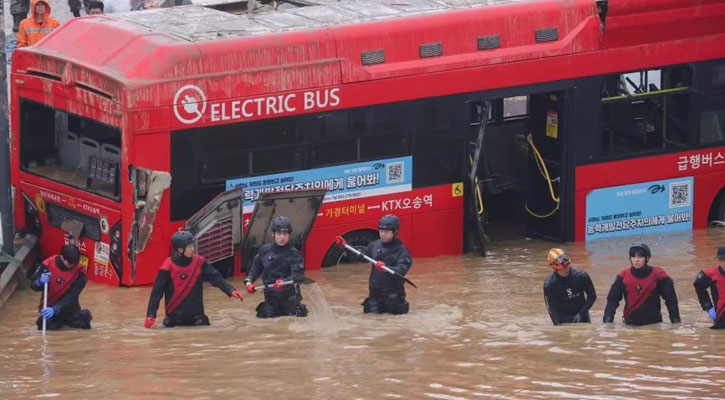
(478, 328)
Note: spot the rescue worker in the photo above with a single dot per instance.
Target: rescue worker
(19, 9)
(642, 285)
(277, 263)
(75, 7)
(387, 294)
(180, 281)
(713, 278)
(37, 25)
(568, 291)
(95, 7)
(65, 281)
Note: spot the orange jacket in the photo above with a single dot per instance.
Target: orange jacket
(30, 32)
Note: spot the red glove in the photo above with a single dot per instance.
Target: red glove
(250, 287)
(340, 242)
(237, 295)
(278, 284)
(380, 266)
(149, 322)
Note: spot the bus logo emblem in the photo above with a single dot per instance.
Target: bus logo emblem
(189, 104)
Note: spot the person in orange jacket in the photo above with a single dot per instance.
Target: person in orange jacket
(37, 25)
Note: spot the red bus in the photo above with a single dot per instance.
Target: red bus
(565, 120)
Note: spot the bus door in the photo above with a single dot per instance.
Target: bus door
(301, 207)
(545, 137)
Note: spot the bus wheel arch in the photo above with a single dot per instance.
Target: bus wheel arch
(358, 239)
(717, 209)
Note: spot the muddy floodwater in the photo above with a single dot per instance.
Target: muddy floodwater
(478, 328)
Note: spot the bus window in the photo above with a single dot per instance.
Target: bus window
(711, 97)
(646, 111)
(517, 106)
(69, 149)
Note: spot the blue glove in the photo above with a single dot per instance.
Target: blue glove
(48, 312)
(712, 314)
(44, 278)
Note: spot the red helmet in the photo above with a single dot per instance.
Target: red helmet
(557, 258)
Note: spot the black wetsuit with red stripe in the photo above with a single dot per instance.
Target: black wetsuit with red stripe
(190, 311)
(642, 289)
(714, 279)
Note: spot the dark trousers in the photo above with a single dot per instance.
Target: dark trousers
(75, 319)
(280, 304)
(393, 303)
(193, 320)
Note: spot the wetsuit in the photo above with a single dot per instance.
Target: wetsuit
(387, 294)
(567, 297)
(641, 289)
(714, 279)
(185, 276)
(63, 290)
(274, 262)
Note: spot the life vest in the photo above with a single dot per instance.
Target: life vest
(60, 282)
(719, 281)
(639, 289)
(183, 279)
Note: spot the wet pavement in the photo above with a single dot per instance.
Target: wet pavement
(478, 328)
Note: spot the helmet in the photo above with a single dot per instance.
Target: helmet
(640, 248)
(389, 222)
(281, 223)
(182, 239)
(71, 253)
(558, 258)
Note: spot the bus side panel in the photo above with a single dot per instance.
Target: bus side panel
(437, 233)
(431, 221)
(644, 169)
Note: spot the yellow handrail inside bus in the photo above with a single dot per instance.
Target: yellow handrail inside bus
(646, 94)
(478, 189)
(541, 165)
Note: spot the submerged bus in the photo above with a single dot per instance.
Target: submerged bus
(472, 120)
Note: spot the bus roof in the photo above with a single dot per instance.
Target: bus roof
(139, 59)
(201, 23)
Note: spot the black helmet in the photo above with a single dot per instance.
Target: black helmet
(181, 239)
(281, 223)
(640, 248)
(71, 253)
(389, 222)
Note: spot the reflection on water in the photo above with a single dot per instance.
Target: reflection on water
(478, 329)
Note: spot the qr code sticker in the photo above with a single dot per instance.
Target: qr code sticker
(680, 194)
(395, 172)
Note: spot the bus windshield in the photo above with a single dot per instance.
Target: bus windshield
(70, 149)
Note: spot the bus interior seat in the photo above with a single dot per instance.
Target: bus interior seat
(111, 152)
(69, 150)
(88, 147)
(711, 126)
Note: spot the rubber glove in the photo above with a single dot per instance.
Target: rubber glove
(380, 266)
(149, 322)
(237, 295)
(49, 312)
